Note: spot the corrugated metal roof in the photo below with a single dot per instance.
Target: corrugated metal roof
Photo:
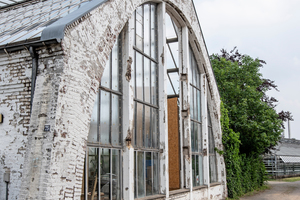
(5, 3)
(290, 159)
(26, 21)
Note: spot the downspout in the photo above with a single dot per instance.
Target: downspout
(34, 57)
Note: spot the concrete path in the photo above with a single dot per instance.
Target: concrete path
(279, 191)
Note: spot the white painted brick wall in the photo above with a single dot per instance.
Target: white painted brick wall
(66, 86)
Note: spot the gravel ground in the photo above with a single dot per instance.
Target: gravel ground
(279, 191)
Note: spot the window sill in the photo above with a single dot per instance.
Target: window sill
(157, 196)
(179, 191)
(215, 184)
(199, 187)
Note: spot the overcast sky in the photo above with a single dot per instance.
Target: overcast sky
(264, 29)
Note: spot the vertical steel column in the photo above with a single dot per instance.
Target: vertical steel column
(163, 105)
(185, 110)
(128, 106)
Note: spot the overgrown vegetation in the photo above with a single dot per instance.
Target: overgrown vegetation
(249, 121)
(291, 179)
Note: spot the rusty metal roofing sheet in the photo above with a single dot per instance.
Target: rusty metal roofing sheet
(26, 21)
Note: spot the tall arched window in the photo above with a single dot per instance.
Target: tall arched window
(196, 122)
(146, 136)
(102, 168)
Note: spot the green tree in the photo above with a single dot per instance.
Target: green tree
(250, 124)
(243, 91)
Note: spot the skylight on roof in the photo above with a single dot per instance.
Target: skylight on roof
(4, 3)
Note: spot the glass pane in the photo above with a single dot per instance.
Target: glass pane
(196, 136)
(193, 169)
(212, 168)
(197, 75)
(200, 137)
(195, 103)
(155, 173)
(149, 165)
(139, 42)
(133, 76)
(197, 170)
(104, 117)
(154, 127)
(147, 29)
(105, 80)
(140, 174)
(153, 33)
(199, 105)
(115, 119)
(174, 50)
(139, 10)
(134, 125)
(170, 62)
(170, 90)
(115, 67)
(139, 76)
(154, 83)
(192, 136)
(93, 134)
(200, 170)
(147, 79)
(192, 102)
(116, 190)
(139, 125)
(105, 173)
(139, 35)
(147, 127)
(93, 176)
(175, 81)
(170, 32)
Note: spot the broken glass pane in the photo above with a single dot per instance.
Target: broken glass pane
(149, 165)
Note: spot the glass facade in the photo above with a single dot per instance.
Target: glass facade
(103, 165)
(146, 136)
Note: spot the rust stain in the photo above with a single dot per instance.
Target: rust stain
(128, 72)
(128, 138)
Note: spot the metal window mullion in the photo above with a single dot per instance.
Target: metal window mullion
(99, 172)
(110, 90)
(152, 171)
(136, 174)
(145, 103)
(145, 191)
(144, 54)
(110, 99)
(110, 175)
(99, 117)
(86, 174)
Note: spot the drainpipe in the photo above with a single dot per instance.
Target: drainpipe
(7, 180)
(34, 57)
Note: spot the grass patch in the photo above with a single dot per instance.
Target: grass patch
(259, 190)
(291, 179)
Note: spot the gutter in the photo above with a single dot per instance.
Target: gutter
(34, 57)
